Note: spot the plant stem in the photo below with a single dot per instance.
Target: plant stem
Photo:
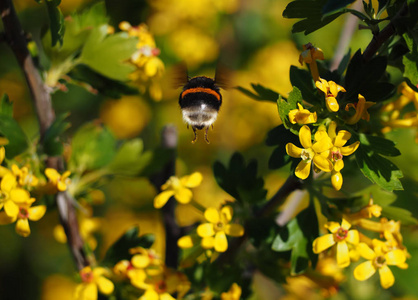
(15, 37)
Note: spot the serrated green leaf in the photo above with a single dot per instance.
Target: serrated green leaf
(56, 21)
(262, 93)
(52, 143)
(295, 96)
(379, 145)
(378, 170)
(11, 130)
(108, 55)
(410, 61)
(120, 249)
(303, 9)
(334, 5)
(88, 146)
(314, 23)
(6, 106)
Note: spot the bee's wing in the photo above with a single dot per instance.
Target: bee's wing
(223, 76)
(179, 75)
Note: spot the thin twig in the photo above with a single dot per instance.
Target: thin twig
(16, 38)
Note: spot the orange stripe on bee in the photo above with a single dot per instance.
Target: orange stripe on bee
(201, 90)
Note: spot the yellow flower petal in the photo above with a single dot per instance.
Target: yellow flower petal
(5, 219)
(353, 237)
(322, 163)
(332, 128)
(192, 180)
(8, 182)
(61, 186)
(333, 226)
(205, 230)
(183, 195)
(140, 261)
(343, 256)
(348, 150)
(305, 137)
(345, 224)
(208, 242)
(212, 215)
(292, 116)
(150, 294)
(322, 243)
(226, 214)
(338, 165)
(395, 257)
(342, 137)
(185, 242)
(22, 227)
(322, 145)
(365, 251)
(386, 277)
(322, 84)
(221, 243)
(332, 104)
(137, 277)
(161, 199)
(335, 88)
(293, 150)
(20, 195)
(86, 291)
(105, 285)
(234, 230)
(11, 209)
(303, 169)
(364, 271)
(36, 212)
(52, 174)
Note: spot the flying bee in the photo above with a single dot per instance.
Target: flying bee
(200, 101)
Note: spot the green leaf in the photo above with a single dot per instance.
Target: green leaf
(302, 79)
(297, 237)
(240, 179)
(334, 5)
(410, 61)
(399, 214)
(379, 145)
(6, 106)
(310, 25)
(52, 143)
(56, 21)
(295, 96)
(93, 147)
(280, 136)
(11, 130)
(108, 55)
(378, 170)
(262, 93)
(120, 249)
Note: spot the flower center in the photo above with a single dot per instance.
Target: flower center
(161, 287)
(23, 213)
(336, 155)
(306, 155)
(219, 226)
(379, 261)
(341, 234)
(175, 182)
(86, 276)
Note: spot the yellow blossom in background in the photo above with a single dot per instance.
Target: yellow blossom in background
(378, 260)
(338, 151)
(340, 235)
(302, 116)
(331, 90)
(179, 188)
(93, 280)
(126, 117)
(234, 293)
(361, 110)
(3, 170)
(25, 212)
(60, 182)
(310, 153)
(214, 233)
(309, 55)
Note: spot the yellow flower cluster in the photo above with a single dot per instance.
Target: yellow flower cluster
(150, 67)
(326, 152)
(15, 198)
(395, 118)
(349, 244)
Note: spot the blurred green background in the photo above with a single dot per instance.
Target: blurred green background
(253, 40)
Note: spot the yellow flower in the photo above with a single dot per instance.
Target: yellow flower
(338, 151)
(361, 110)
(11, 196)
(234, 293)
(214, 233)
(24, 213)
(378, 260)
(340, 235)
(331, 90)
(24, 177)
(179, 188)
(309, 55)
(3, 170)
(93, 280)
(311, 152)
(302, 116)
(60, 182)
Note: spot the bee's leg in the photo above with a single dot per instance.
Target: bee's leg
(206, 135)
(195, 135)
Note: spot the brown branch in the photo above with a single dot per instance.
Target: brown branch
(382, 36)
(15, 37)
